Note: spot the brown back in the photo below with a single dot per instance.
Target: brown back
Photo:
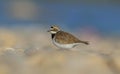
(65, 38)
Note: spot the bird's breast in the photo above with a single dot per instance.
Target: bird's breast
(65, 46)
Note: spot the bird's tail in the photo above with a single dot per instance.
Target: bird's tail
(85, 42)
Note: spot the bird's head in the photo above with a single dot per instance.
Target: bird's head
(54, 29)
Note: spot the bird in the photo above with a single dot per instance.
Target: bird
(63, 39)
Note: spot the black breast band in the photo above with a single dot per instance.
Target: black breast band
(53, 35)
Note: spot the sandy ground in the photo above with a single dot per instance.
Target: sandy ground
(30, 51)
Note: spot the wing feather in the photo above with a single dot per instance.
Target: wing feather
(65, 38)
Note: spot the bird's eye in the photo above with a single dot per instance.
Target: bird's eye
(51, 27)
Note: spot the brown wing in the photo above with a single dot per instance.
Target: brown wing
(65, 38)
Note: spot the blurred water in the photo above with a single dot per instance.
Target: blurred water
(103, 16)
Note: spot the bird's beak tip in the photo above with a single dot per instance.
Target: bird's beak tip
(48, 31)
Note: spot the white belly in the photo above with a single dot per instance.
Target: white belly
(65, 46)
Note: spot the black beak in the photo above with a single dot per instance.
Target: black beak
(48, 31)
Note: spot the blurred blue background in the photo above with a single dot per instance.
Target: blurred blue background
(101, 15)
